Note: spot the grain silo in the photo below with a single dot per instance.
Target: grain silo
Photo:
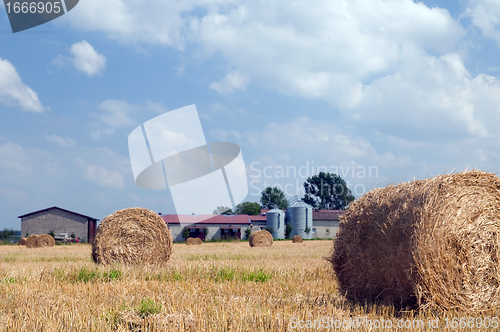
(300, 217)
(275, 220)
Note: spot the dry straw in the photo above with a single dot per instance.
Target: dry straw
(261, 239)
(431, 243)
(297, 239)
(31, 241)
(132, 236)
(45, 240)
(22, 241)
(191, 241)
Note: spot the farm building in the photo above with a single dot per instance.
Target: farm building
(61, 222)
(326, 223)
(207, 227)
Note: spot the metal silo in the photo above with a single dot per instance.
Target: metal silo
(300, 218)
(275, 219)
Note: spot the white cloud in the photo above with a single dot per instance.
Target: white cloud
(485, 15)
(14, 157)
(13, 92)
(112, 114)
(86, 59)
(64, 142)
(133, 21)
(232, 82)
(104, 177)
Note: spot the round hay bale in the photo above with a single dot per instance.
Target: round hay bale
(297, 239)
(31, 241)
(191, 241)
(22, 241)
(132, 236)
(261, 239)
(44, 240)
(431, 243)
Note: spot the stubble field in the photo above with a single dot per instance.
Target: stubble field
(212, 287)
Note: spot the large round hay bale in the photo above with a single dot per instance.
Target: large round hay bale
(31, 241)
(297, 239)
(191, 241)
(45, 240)
(431, 243)
(261, 239)
(22, 241)
(132, 236)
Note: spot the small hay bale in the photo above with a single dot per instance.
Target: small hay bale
(44, 240)
(431, 243)
(31, 241)
(261, 239)
(297, 239)
(22, 241)
(132, 236)
(191, 241)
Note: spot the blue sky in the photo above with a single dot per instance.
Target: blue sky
(400, 88)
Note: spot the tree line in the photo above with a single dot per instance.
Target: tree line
(323, 191)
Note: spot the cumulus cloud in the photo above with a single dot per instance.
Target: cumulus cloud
(84, 58)
(104, 177)
(13, 92)
(112, 114)
(232, 82)
(485, 15)
(64, 142)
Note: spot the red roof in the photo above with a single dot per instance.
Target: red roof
(328, 214)
(257, 218)
(206, 219)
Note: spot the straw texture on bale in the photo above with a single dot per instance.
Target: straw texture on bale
(22, 241)
(297, 239)
(44, 240)
(191, 241)
(431, 243)
(261, 239)
(31, 241)
(132, 236)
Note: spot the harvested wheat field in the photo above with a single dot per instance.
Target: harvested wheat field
(214, 287)
(431, 243)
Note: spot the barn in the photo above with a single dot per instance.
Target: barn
(207, 227)
(61, 222)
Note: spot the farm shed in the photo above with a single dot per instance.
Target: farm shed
(326, 223)
(60, 221)
(218, 226)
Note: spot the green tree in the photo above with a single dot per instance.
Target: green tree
(273, 197)
(250, 208)
(6, 233)
(248, 232)
(185, 233)
(288, 231)
(327, 191)
(222, 210)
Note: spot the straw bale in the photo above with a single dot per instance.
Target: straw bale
(193, 241)
(22, 241)
(261, 239)
(431, 243)
(132, 236)
(44, 240)
(297, 239)
(31, 240)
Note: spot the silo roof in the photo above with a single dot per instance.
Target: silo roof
(301, 204)
(275, 211)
